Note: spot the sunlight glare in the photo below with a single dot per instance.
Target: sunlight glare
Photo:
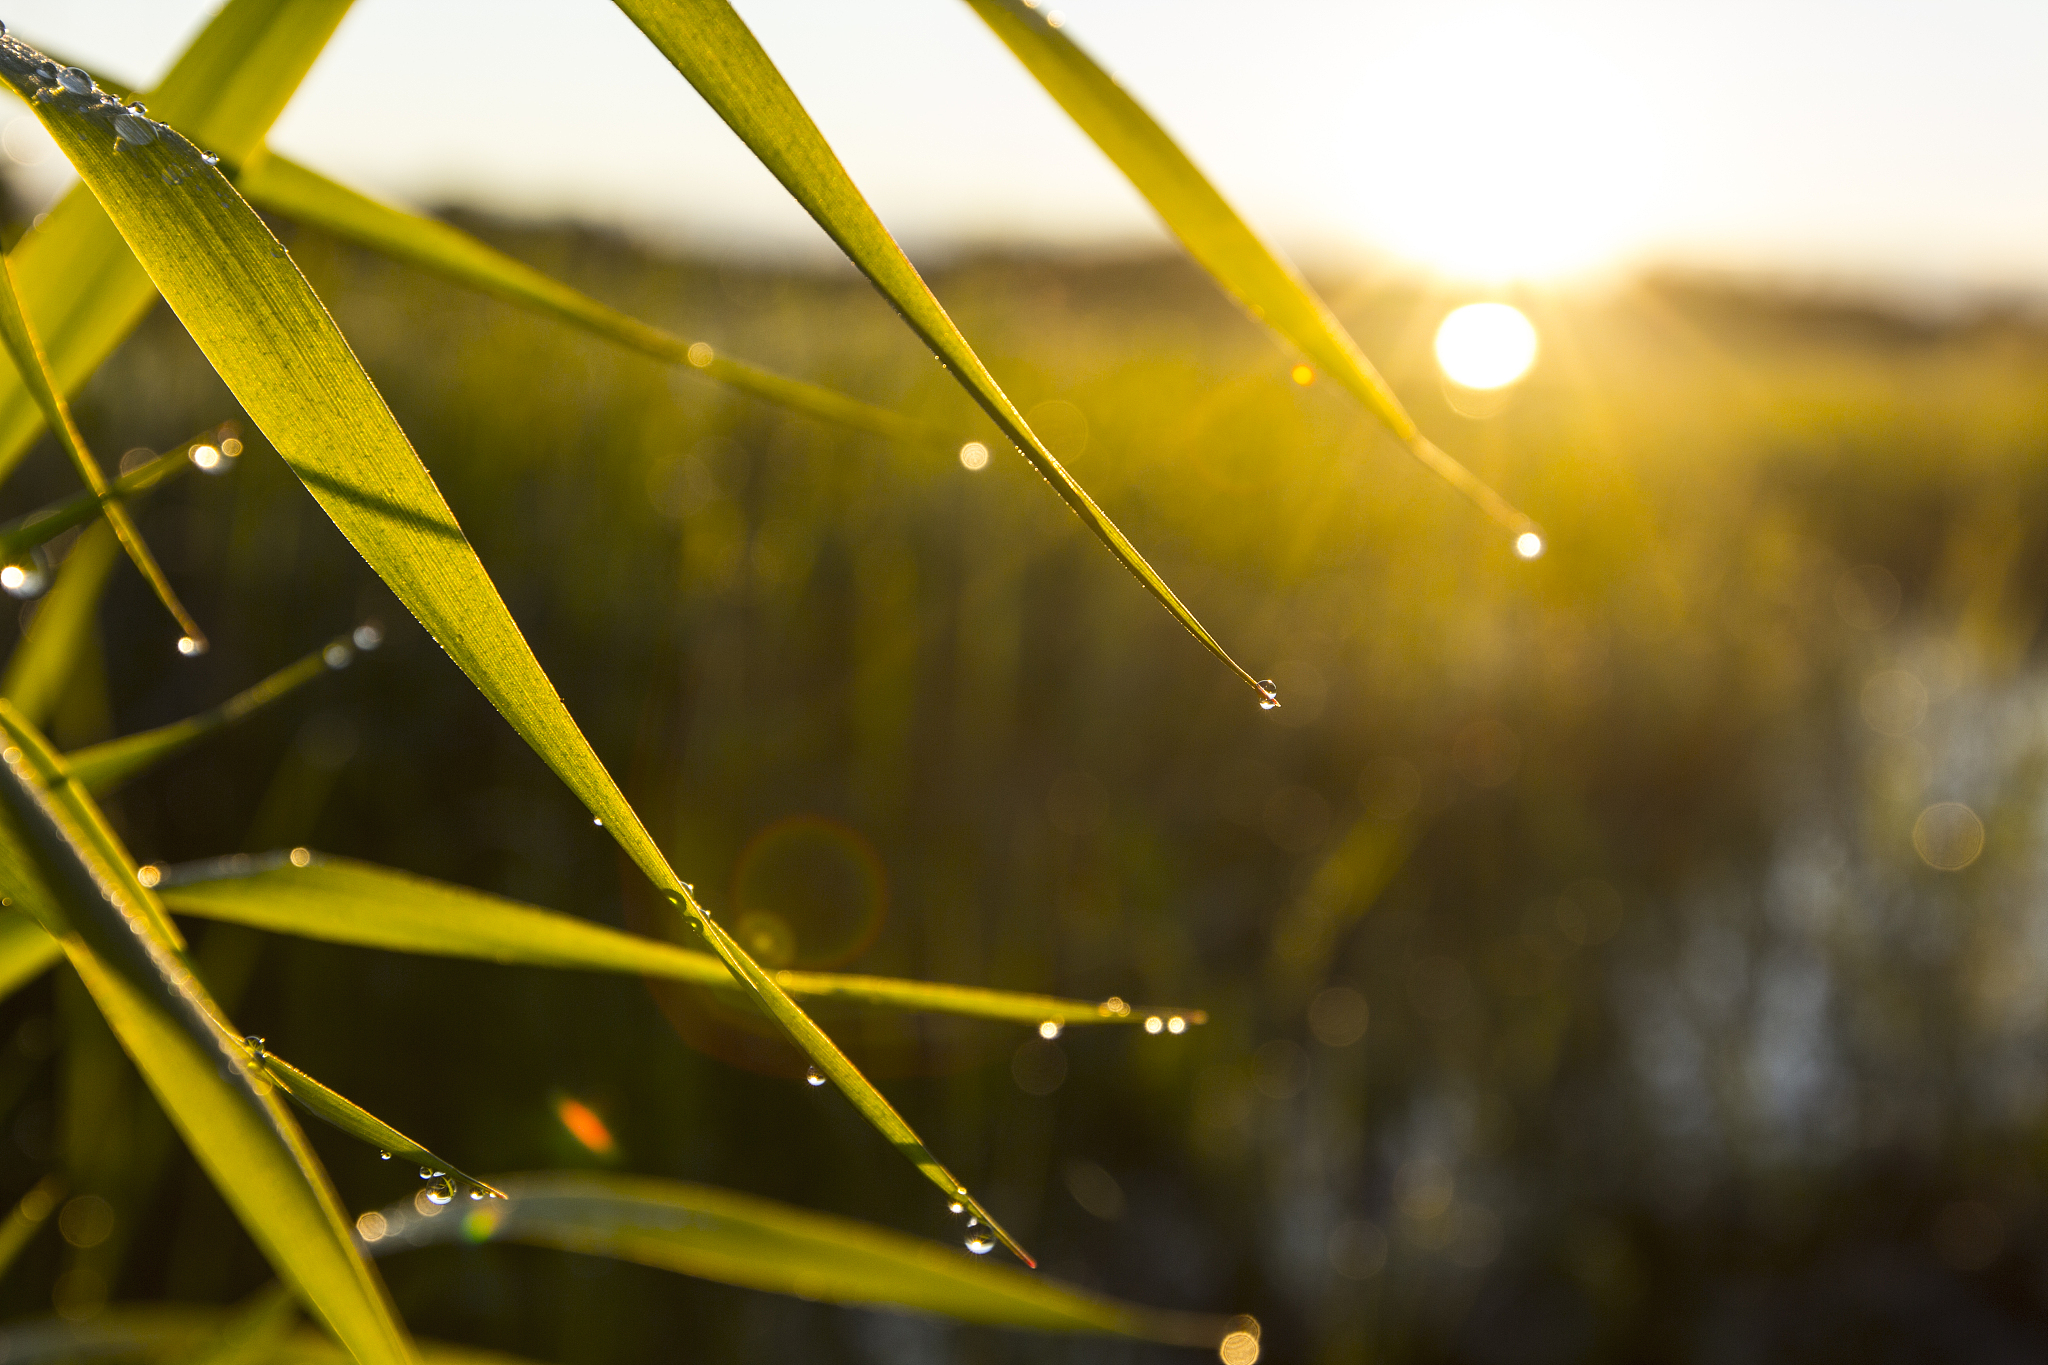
(1485, 345)
(1524, 151)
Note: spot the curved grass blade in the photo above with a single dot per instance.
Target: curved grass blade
(1214, 233)
(344, 1113)
(102, 768)
(263, 330)
(755, 1243)
(28, 1215)
(31, 366)
(26, 952)
(81, 888)
(79, 283)
(339, 900)
(41, 665)
(41, 526)
(716, 52)
(282, 186)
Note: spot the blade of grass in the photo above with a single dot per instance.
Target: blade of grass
(79, 283)
(28, 1216)
(278, 185)
(34, 370)
(738, 1239)
(85, 894)
(172, 1334)
(1213, 232)
(26, 952)
(41, 665)
(261, 327)
(716, 52)
(344, 1113)
(104, 767)
(41, 526)
(339, 900)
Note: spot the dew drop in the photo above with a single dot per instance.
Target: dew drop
(1051, 1028)
(956, 1207)
(383, 1156)
(979, 1239)
(442, 1191)
(597, 820)
(475, 1193)
(255, 1046)
(428, 1173)
(1176, 1025)
(136, 132)
(1269, 695)
(338, 655)
(209, 158)
(1154, 1023)
(28, 578)
(813, 1077)
(74, 80)
(190, 647)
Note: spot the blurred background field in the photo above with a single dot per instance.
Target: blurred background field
(1584, 979)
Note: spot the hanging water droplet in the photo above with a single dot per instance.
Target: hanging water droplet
(190, 647)
(383, 1156)
(475, 1192)
(1176, 1024)
(209, 158)
(597, 820)
(75, 80)
(1269, 695)
(813, 1076)
(428, 1173)
(255, 1046)
(1051, 1028)
(27, 578)
(979, 1239)
(1154, 1023)
(956, 1207)
(442, 1191)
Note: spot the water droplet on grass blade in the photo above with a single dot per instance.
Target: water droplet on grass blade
(384, 1156)
(956, 1207)
(1176, 1025)
(207, 459)
(75, 80)
(1154, 1024)
(209, 158)
(813, 1077)
(28, 577)
(1269, 695)
(442, 1191)
(255, 1046)
(476, 1192)
(979, 1239)
(136, 132)
(428, 1173)
(190, 647)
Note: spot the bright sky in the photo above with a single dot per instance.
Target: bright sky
(1857, 139)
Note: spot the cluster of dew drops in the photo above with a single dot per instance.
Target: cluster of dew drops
(442, 1188)
(131, 122)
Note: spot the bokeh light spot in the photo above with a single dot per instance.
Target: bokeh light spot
(1948, 836)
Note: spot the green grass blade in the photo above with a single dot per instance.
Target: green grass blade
(278, 185)
(1213, 232)
(28, 1215)
(270, 339)
(337, 1109)
(33, 369)
(713, 48)
(104, 767)
(739, 1239)
(339, 900)
(85, 894)
(26, 952)
(39, 527)
(80, 285)
(41, 665)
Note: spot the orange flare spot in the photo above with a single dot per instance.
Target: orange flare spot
(585, 1126)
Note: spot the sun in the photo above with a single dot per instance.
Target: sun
(1485, 345)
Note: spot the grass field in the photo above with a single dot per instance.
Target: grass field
(1575, 988)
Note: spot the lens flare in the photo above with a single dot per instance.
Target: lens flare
(585, 1126)
(1485, 345)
